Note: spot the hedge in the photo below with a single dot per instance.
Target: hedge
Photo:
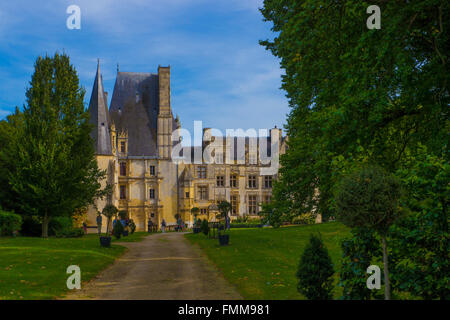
(9, 222)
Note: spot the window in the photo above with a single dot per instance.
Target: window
(201, 172)
(220, 181)
(203, 192)
(234, 204)
(267, 181)
(123, 168)
(266, 199)
(202, 211)
(122, 146)
(187, 195)
(252, 181)
(233, 181)
(152, 170)
(152, 193)
(123, 192)
(252, 206)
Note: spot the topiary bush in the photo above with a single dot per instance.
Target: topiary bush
(132, 226)
(315, 271)
(9, 222)
(205, 227)
(118, 229)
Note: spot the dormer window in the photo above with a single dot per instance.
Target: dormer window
(122, 146)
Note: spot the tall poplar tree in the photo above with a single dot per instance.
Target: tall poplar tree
(55, 171)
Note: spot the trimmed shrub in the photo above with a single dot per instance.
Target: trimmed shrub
(118, 229)
(306, 218)
(315, 271)
(245, 225)
(58, 225)
(205, 227)
(132, 226)
(70, 233)
(9, 222)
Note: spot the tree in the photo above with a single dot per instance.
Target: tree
(356, 94)
(109, 211)
(224, 208)
(315, 271)
(368, 198)
(55, 170)
(421, 240)
(358, 252)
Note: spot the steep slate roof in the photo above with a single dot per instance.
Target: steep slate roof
(134, 108)
(98, 110)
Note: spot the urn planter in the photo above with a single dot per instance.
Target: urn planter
(105, 242)
(224, 239)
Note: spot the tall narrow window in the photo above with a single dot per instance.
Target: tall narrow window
(122, 146)
(233, 181)
(203, 192)
(252, 181)
(267, 181)
(152, 170)
(123, 168)
(152, 193)
(252, 205)
(201, 172)
(123, 192)
(234, 204)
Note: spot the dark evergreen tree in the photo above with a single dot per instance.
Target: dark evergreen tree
(315, 271)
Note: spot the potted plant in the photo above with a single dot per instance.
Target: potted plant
(108, 211)
(132, 226)
(224, 225)
(195, 211)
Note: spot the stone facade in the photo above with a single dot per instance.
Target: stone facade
(133, 144)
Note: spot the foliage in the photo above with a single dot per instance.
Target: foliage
(123, 214)
(9, 223)
(55, 171)
(31, 226)
(421, 241)
(356, 94)
(118, 229)
(272, 214)
(205, 227)
(245, 225)
(109, 211)
(132, 226)
(368, 198)
(195, 211)
(358, 252)
(315, 271)
(305, 218)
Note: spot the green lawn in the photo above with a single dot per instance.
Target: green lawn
(35, 268)
(262, 263)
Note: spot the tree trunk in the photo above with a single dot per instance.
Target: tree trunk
(387, 285)
(45, 221)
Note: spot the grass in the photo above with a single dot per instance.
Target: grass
(35, 268)
(262, 263)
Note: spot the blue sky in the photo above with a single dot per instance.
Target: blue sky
(220, 74)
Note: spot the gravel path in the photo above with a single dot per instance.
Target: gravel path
(163, 266)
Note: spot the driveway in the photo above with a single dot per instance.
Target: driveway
(163, 266)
